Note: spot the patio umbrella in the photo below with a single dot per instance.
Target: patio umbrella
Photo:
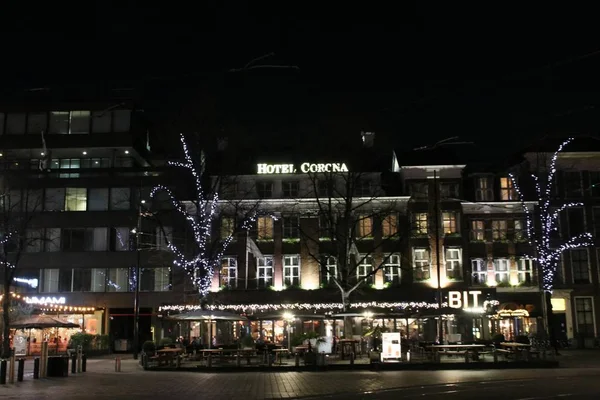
(42, 322)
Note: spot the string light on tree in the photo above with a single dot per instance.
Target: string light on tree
(201, 265)
(543, 222)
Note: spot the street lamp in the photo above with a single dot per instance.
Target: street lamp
(136, 299)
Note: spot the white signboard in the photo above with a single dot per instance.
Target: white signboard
(390, 345)
(20, 345)
(304, 168)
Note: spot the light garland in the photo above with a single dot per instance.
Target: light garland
(201, 266)
(539, 231)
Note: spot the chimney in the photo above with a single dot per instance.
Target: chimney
(368, 139)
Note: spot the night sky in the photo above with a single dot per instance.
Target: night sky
(503, 74)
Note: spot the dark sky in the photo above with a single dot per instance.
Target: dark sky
(417, 72)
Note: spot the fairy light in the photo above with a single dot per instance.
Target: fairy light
(539, 231)
(201, 266)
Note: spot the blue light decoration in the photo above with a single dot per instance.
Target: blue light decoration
(541, 224)
(201, 266)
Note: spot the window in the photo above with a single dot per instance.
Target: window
(155, 279)
(520, 230)
(449, 190)
(65, 280)
(580, 266)
(362, 188)
(89, 239)
(572, 183)
(595, 183)
(330, 269)
(290, 189)
(121, 120)
(55, 199)
(264, 228)
(98, 199)
(118, 280)
(501, 270)
(95, 163)
(597, 221)
(15, 124)
(52, 240)
(325, 226)
(584, 309)
(124, 162)
(119, 239)
(389, 225)
(477, 230)
(507, 189)
(419, 190)
(227, 227)
(120, 198)
(164, 236)
(483, 189)
(264, 272)
(391, 270)
(525, 270)
(291, 227)
(421, 264)
(326, 188)
(453, 256)
(101, 121)
(34, 240)
(576, 218)
(499, 230)
(49, 280)
(264, 189)
(365, 226)
(80, 122)
(36, 123)
(420, 221)
(82, 280)
(98, 280)
(479, 271)
(291, 270)
(59, 122)
(365, 268)
(75, 199)
(449, 222)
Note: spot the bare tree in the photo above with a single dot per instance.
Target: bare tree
(543, 222)
(18, 235)
(201, 211)
(357, 233)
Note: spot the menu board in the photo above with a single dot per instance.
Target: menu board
(20, 345)
(390, 345)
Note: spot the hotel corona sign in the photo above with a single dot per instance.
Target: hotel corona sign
(305, 168)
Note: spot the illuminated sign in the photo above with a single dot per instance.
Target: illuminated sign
(45, 300)
(304, 168)
(31, 282)
(465, 299)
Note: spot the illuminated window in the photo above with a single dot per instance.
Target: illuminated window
(499, 229)
(264, 272)
(118, 280)
(364, 270)
(389, 225)
(227, 227)
(391, 270)
(421, 264)
(525, 270)
(420, 223)
(477, 230)
(479, 271)
(501, 270)
(80, 122)
(365, 226)
(291, 270)
(330, 269)
(264, 228)
(520, 230)
(75, 199)
(453, 257)
(483, 190)
(228, 275)
(449, 222)
(507, 189)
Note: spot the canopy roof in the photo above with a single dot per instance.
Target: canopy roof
(42, 322)
(207, 315)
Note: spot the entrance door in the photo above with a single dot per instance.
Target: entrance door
(560, 326)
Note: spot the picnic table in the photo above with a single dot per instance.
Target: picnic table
(466, 350)
(519, 350)
(239, 353)
(167, 356)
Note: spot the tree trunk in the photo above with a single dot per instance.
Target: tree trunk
(347, 319)
(6, 321)
(550, 316)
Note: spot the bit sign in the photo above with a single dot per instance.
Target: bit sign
(466, 299)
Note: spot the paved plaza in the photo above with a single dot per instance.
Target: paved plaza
(101, 381)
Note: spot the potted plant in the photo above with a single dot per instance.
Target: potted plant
(375, 335)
